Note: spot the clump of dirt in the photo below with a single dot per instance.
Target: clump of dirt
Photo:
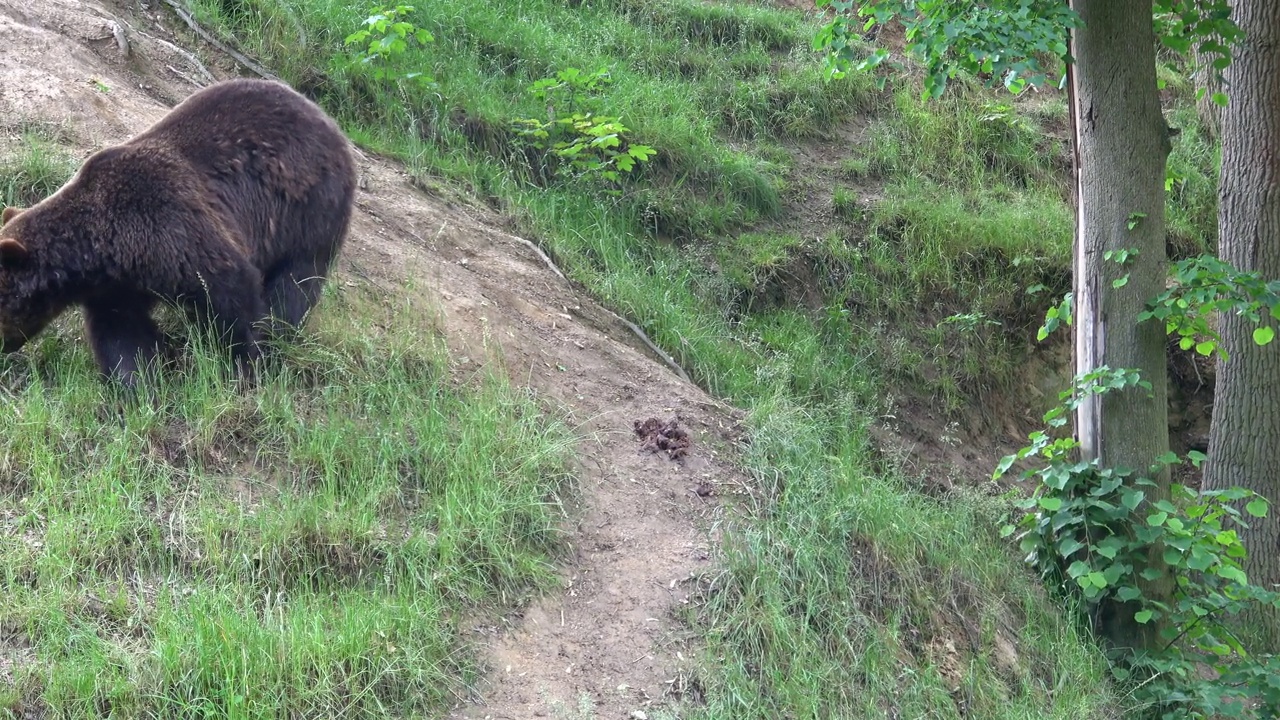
(658, 436)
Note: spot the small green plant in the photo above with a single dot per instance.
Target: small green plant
(385, 38)
(1059, 314)
(1102, 534)
(844, 202)
(578, 142)
(968, 322)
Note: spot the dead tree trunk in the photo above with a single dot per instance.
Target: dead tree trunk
(1122, 143)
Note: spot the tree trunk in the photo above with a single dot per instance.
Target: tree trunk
(1246, 408)
(1122, 143)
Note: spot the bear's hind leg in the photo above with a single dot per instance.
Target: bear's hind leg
(234, 304)
(292, 289)
(124, 338)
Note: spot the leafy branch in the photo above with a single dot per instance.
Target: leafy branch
(1003, 41)
(1205, 285)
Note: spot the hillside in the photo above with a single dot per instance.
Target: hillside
(844, 273)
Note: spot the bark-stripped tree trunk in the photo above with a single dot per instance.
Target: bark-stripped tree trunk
(1122, 143)
(1245, 434)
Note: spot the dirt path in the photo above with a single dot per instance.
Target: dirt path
(606, 646)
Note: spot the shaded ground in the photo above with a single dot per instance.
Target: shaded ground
(95, 73)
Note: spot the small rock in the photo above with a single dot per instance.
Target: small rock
(638, 715)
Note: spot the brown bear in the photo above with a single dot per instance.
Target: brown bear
(233, 207)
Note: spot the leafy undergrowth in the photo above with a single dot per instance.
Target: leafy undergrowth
(309, 547)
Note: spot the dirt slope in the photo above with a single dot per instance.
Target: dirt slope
(102, 71)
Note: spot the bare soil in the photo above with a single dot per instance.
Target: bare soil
(95, 73)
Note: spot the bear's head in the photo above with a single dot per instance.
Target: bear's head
(21, 315)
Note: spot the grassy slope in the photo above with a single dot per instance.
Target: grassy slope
(309, 548)
(843, 586)
(843, 583)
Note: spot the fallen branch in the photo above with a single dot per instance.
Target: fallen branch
(190, 57)
(209, 38)
(630, 325)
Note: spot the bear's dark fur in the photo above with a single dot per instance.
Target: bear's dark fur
(233, 206)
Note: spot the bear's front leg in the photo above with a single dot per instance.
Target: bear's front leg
(124, 338)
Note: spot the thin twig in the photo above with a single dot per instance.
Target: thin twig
(630, 325)
(661, 353)
(239, 57)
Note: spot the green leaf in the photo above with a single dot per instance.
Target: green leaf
(1200, 560)
(1205, 348)
(1069, 546)
(1233, 574)
(1257, 508)
(1143, 616)
(1077, 569)
(1132, 499)
(1157, 518)
(1052, 504)
(1264, 335)
(1120, 282)
(1127, 593)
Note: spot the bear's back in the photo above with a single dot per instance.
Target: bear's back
(277, 170)
(256, 131)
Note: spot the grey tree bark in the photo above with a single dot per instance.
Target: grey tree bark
(1122, 143)
(1245, 432)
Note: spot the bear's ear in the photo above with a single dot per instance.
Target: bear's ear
(10, 213)
(13, 253)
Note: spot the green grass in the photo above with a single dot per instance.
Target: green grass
(308, 547)
(34, 169)
(850, 595)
